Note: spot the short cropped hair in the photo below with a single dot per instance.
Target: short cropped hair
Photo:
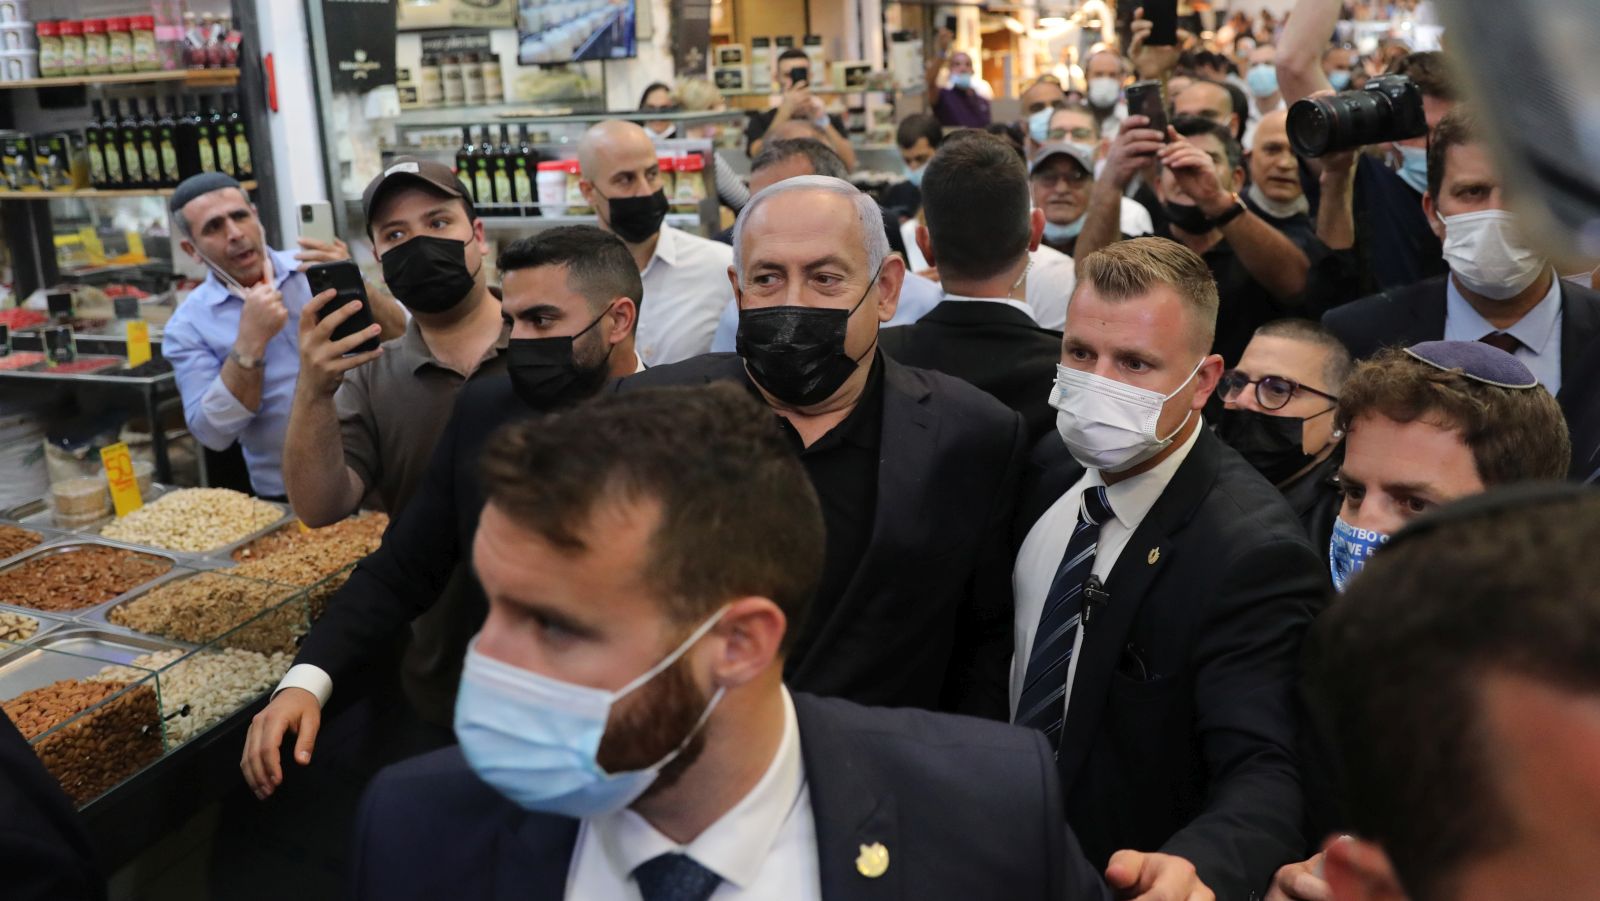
(1515, 434)
(868, 213)
(1458, 127)
(1193, 126)
(1396, 669)
(1133, 267)
(1431, 71)
(1339, 364)
(975, 200)
(823, 160)
(738, 515)
(918, 125)
(599, 265)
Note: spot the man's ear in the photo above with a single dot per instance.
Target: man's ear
(1035, 229)
(1430, 211)
(752, 633)
(925, 244)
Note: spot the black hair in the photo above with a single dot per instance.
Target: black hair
(599, 265)
(1191, 126)
(654, 86)
(975, 199)
(918, 125)
(823, 160)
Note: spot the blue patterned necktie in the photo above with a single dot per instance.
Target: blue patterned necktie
(675, 877)
(1042, 704)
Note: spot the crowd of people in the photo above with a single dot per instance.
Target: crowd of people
(1110, 511)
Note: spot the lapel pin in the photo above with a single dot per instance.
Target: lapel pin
(873, 860)
(1155, 554)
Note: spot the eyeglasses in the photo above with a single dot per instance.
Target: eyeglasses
(1040, 105)
(1272, 391)
(1048, 179)
(1081, 133)
(669, 108)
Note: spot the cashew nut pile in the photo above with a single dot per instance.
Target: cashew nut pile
(203, 689)
(194, 520)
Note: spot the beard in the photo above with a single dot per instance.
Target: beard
(660, 716)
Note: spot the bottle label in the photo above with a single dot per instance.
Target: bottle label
(113, 161)
(483, 187)
(524, 187)
(208, 162)
(152, 165)
(97, 165)
(130, 163)
(225, 155)
(502, 185)
(241, 156)
(169, 159)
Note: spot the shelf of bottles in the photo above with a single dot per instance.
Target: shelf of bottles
(194, 78)
(151, 144)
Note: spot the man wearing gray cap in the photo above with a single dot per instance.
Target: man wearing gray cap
(234, 361)
(1060, 177)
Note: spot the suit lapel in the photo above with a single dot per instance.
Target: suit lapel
(1136, 569)
(906, 450)
(533, 855)
(1427, 307)
(850, 812)
(1580, 324)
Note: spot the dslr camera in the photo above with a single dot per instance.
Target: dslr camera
(1388, 108)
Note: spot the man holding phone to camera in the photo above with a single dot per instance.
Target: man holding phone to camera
(234, 360)
(795, 78)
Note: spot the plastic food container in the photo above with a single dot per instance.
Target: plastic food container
(13, 10)
(552, 185)
(669, 174)
(691, 184)
(16, 36)
(49, 35)
(71, 47)
(575, 202)
(96, 50)
(146, 58)
(19, 65)
(119, 44)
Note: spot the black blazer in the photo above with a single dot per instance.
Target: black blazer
(1180, 734)
(1402, 317)
(967, 809)
(990, 345)
(42, 842)
(926, 620)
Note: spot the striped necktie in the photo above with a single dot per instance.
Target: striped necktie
(1042, 704)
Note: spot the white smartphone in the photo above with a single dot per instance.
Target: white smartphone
(316, 221)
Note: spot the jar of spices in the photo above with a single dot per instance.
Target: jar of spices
(143, 30)
(96, 52)
(691, 184)
(455, 90)
(71, 47)
(49, 49)
(669, 178)
(494, 90)
(119, 45)
(430, 82)
(472, 79)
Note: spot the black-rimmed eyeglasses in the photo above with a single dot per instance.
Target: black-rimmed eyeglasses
(1272, 391)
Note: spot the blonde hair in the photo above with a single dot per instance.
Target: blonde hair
(1133, 267)
(696, 94)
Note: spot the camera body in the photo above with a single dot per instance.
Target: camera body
(1388, 108)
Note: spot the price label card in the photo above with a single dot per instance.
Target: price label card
(119, 475)
(5, 340)
(138, 342)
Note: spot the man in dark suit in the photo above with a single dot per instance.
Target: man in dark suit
(1162, 588)
(978, 234)
(625, 730)
(1499, 290)
(917, 471)
(46, 852)
(572, 294)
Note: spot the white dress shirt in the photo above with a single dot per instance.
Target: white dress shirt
(685, 288)
(1050, 281)
(1539, 331)
(765, 847)
(1017, 305)
(1040, 556)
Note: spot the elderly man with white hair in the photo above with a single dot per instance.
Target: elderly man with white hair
(682, 273)
(916, 471)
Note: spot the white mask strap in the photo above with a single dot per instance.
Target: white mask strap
(672, 657)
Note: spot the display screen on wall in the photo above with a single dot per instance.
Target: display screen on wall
(564, 31)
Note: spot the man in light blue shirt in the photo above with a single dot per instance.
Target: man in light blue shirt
(236, 364)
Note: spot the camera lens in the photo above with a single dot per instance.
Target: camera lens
(1310, 127)
(1388, 109)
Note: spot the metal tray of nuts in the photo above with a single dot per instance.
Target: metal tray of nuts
(220, 553)
(74, 544)
(47, 536)
(38, 514)
(81, 652)
(226, 617)
(14, 623)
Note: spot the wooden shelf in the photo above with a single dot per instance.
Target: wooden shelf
(191, 77)
(92, 193)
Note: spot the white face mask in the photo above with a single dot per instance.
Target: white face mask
(1104, 92)
(1110, 425)
(1486, 253)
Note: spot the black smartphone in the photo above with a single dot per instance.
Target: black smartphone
(800, 75)
(1144, 99)
(345, 278)
(1163, 18)
(950, 24)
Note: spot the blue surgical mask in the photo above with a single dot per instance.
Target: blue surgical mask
(1039, 125)
(961, 80)
(1349, 550)
(915, 175)
(1054, 232)
(1413, 167)
(1339, 78)
(1263, 79)
(535, 738)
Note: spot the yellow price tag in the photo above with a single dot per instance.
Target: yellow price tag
(138, 342)
(119, 474)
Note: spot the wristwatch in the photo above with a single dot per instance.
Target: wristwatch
(242, 361)
(1229, 214)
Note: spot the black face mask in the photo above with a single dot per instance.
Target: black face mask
(1187, 217)
(1274, 445)
(429, 274)
(546, 374)
(636, 219)
(797, 353)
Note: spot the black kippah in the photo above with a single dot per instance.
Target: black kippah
(204, 183)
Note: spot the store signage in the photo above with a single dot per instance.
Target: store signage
(119, 475)
(361, 39)
(455, 42)
(691, 36)
(138, 342)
